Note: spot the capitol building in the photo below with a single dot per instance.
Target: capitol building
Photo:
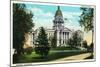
(62, 33)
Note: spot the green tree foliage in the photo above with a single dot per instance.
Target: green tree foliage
(70, 42)
(54, 40)
(22, 23)
(85, 45)
(86, 18)
(75, 40)
(42, 47)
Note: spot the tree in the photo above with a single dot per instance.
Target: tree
(75, 40)
(91, 47)
(22, 23)
(42, 47)
(86, 19)
(54, 40)
(70, 42)
(85, 45)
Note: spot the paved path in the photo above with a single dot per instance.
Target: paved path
(76, 57)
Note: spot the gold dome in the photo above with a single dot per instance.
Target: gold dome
(58, 12)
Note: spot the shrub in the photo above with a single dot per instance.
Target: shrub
(42, 47)
(28, 50)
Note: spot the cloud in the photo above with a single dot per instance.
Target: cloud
(72, 19)
(42, 18)
(71, 15)
(36, 10)
(40, 13)
(47, 23)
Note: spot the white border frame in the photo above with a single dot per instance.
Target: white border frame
(48, 3)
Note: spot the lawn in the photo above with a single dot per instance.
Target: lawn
(65, 48)
(27, 58)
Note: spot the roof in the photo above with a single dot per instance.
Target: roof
(58, 12)
(67, 29)
(50, 30)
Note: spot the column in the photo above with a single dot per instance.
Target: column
(64, 37)
(61, 37)
(58, 38)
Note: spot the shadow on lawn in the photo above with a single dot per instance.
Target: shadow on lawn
(52, 56)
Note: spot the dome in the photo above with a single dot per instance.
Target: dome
(58, 12)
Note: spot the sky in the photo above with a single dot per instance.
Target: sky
(44, 16)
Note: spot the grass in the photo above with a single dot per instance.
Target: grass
(65, 48)
(27, 58)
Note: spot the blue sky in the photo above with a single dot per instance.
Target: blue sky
(44, 16)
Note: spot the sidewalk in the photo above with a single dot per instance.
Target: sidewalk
(71, 58)
(75, 57)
